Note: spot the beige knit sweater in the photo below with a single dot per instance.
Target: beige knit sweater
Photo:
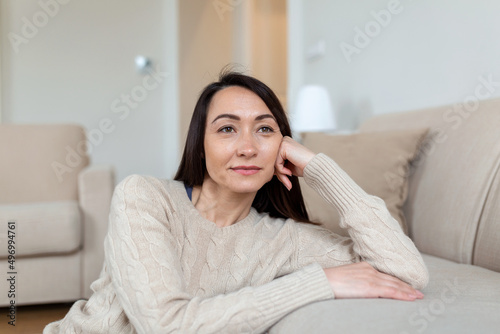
(169, 270)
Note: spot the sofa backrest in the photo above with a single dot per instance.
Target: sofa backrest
(40, 162)
(453, 206)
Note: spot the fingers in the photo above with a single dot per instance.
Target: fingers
(388, 288)
(361, 280)
(291, 160)
(281, 171)
(280, 166)
(284, 179)
(396, 289)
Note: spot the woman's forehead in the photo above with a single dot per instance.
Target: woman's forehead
(237, 100)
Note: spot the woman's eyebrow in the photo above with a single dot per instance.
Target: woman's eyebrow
(231, 116)
(237, 118)
(264, 116)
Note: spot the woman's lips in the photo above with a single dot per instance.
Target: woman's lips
(246, 170)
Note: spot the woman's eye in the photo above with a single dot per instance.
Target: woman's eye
(226, 129)
(266, 129)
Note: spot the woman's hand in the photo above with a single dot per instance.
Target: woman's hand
(291, 160)
(361, 280)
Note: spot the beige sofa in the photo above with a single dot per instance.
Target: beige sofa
(453, 216)
(60, 208)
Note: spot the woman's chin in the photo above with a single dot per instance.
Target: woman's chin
(239, 185)
(245, 190)
(246, 187)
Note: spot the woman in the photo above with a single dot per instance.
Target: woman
(228, 246)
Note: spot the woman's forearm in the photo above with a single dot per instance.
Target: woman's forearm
(376, 236)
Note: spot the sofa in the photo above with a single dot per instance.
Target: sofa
(451, 211)
(54, 210)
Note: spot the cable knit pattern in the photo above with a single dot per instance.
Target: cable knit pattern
(375, 236)
(169, 270)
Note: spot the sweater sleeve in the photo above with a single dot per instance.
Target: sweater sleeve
(375, 236)
(146, 274)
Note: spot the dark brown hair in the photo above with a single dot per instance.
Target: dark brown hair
(273, 197)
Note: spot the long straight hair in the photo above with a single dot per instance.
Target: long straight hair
(273, 197)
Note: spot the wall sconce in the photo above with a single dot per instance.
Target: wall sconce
(143, 64)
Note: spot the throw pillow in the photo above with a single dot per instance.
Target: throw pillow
(379, 162)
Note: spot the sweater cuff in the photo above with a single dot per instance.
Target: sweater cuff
(333, 183)
(287, 293)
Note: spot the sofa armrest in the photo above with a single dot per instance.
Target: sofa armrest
(95, 189)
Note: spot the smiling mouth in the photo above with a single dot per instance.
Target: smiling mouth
(246, 170)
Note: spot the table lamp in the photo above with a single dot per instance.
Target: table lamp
(313, 111)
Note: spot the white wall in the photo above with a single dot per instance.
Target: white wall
(73, 62)
(205, 47)
(260, 43)
(250, 34)
(429, 53)
(269, 45)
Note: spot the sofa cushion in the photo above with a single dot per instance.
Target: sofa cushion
(449, 188)
(487, 245)
(41, 162)
(42, 228)
(460, 298)
(378, 162)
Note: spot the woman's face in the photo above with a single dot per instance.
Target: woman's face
(241, 142)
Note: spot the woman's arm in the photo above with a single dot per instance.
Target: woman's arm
(145, 268)
(375, 236)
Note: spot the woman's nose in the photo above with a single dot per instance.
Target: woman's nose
(246, 145)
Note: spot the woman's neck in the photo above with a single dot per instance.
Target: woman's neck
(221, 206)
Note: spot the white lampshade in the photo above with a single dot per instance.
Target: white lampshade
(313, 111)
